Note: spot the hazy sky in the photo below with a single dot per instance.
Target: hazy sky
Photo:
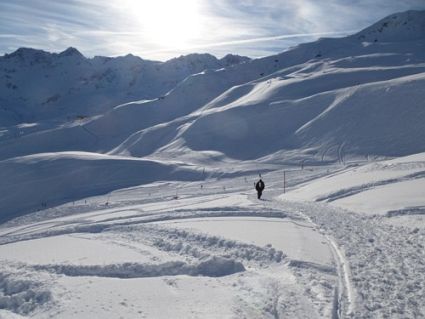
(162, 29)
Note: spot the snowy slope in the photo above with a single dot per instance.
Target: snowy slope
(49, 179)
(393, 188)
(398, 27)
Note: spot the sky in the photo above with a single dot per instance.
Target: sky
(163, 29)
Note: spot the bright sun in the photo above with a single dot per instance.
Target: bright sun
(166, 23)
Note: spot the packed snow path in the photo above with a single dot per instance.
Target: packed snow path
(387, 262)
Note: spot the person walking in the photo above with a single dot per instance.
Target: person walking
(259, 186)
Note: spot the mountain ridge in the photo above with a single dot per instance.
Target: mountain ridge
(38, 85)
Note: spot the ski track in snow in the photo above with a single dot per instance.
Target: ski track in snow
(344, 299)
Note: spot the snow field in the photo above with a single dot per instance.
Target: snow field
(393, 187)
(158, 259)
(299, 258)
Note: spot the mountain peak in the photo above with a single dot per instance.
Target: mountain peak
(21, 52)
(194, 57)
(231, 59)
(29, 55)
(403, 26)
(71, 51)
(132, 58)
(209, 60)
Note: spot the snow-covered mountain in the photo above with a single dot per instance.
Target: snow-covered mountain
(39, 86)
(399, 27)
(322, 101)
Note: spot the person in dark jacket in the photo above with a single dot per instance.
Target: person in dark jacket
(259, 186)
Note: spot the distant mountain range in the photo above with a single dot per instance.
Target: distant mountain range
(39, 85)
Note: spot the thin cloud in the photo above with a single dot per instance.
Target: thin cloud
(11, 36)
(246, 27)
(262, 39)
(279, 37)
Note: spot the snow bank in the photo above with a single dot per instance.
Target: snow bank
(200, 245)
(211, 267)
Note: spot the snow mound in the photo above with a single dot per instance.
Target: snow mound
(415, 210)
(212, 267)
(21, 296)
(198, 245)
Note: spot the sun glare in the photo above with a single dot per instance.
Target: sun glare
(166, 23)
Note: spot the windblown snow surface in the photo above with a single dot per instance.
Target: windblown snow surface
(146, 208)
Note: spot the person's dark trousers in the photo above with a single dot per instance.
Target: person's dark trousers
(259, 194)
